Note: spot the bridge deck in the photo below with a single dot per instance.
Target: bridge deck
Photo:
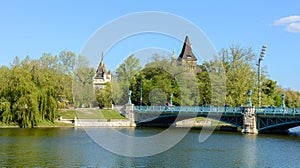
(187, 109)
(217, 109)
(267, 118)
(278, 112)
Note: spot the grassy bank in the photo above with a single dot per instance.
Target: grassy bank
(90, 114)
(71, 114)
(55, 124)
(40, 124)
(10, 125)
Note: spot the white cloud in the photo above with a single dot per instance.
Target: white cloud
(291, 23)
(293, 27)
(287, 20)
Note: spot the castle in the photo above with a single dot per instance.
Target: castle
(102, 76)
(185, 58)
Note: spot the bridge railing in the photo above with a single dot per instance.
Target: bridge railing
(276, 110)
(189, 109)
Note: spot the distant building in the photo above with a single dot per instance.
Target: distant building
(187, 57)
(102, 76)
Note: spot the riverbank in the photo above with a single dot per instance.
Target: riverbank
(85, 117)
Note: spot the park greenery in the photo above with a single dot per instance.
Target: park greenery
(32, 90)
(225, 79)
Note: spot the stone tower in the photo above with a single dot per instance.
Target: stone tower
(187, 57)
(102, 76)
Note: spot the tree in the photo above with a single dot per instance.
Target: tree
(205, 90)
(83, 83)
(103, 96)
(160, 79)
(29, 91)
(124, 73)
(240, 74)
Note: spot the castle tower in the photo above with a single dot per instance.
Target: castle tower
(187, 57)
(102, 76)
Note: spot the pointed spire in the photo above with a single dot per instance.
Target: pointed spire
(187, 41)
(102, 56)
(101, 70)
(186, 52)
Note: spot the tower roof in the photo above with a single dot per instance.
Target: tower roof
(101, 69)
(186, 52)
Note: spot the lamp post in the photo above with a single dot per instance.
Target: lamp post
(282, 101)
(262, 54)
(171, 95)
(129, 96)
(141, 92)
(249, 98)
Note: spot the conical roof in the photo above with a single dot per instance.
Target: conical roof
(101, 69)
(186, 52)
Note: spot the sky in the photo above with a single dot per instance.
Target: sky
(33, 27)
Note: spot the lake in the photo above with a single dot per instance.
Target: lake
(72, 147)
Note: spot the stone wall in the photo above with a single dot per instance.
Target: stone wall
(101, 123)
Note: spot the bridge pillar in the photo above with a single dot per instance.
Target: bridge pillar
(249, 120)
(129, 114)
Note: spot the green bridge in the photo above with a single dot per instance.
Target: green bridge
(250, 119)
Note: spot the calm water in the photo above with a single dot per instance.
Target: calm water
(69, 147)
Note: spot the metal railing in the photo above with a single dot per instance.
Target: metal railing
(215, 109)
(277, 110)
(191, 109)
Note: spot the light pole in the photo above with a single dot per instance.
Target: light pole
(282, 101)
(129, 96)
(171, 103)
(249, 104)
(262, 54)
(141, 92)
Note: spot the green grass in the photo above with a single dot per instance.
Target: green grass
(55, 124)
(111, 114)
(67, 114)
(8, 125)
(90, 114)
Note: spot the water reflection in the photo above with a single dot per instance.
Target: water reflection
(249, 150)
(57, 147)
(295, 131)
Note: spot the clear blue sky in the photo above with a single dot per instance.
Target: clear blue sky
(32, 27)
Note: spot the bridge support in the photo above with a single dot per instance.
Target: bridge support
(249, 120)
(129, 114)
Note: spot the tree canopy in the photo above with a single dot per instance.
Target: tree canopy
(31, 90)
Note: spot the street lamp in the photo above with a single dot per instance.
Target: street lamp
(262, 54)
(282, 101)
(171, 103)
(129, 96)
(249, 98)
(141, 92)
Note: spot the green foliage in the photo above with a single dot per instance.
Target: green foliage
(226, 79)
(83, 83)
(240, 74)
(103, 96)
(205, 89)
(161, 78)
(124, 73)
(30, 89)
